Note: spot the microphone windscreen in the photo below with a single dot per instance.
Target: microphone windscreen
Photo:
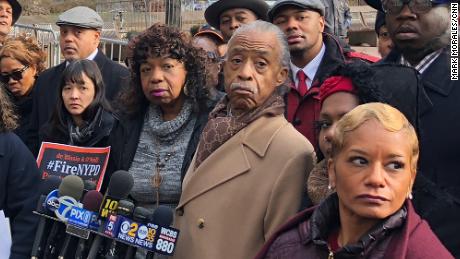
(72, 186)
(120, 184)
(163, 216)
(125, 208)
(49, 184)
(141, 214)
(92, 200)
(89, 185)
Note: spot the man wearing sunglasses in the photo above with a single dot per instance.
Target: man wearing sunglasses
(420, 32)
(80, 32)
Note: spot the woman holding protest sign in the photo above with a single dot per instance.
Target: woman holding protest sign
(165, 109)
(19, 180)
(82, 116)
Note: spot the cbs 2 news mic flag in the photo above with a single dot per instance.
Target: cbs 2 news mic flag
(149, 236)
(62, 160)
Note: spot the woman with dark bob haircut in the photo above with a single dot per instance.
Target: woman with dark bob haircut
(82, 116)
(164, 111)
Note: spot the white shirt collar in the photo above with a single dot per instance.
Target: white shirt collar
(310, 69)
(92, 55)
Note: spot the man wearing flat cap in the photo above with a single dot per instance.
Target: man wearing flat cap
(80, 32)
(420, 31)
(9, 13)
(228, 15)
(314, 55)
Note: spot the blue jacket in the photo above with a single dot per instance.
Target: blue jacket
(19, 181)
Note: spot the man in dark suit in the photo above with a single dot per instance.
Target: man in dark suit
(80, 31)
(421, 36)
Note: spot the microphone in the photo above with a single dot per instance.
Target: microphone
(140, 215)
(120, 185)
(89, 185)
(163, 217)
(125, 209)
(91, 203)
(69, 192)
(46, 186)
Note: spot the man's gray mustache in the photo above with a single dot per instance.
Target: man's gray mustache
(242, 86)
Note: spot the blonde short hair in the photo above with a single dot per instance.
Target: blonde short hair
(390, 118)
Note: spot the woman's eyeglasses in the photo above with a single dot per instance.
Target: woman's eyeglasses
(16, 75)
(416, 6)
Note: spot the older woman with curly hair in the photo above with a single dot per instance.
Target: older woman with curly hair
(21, 61)
(19, 179)
(163, 113)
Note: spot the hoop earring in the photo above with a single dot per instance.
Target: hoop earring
(186, 91)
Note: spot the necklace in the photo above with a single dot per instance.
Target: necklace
(157, 178)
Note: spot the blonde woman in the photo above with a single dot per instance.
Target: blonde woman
(372, 167)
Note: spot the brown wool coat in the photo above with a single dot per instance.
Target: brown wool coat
(238, 197)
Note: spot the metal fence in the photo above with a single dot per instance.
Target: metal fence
(122, 18)
(137, 15)
(49, 41)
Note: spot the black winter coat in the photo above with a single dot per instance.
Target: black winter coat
(114, 75)
(437, 186)
(23, 108)
(19, 182)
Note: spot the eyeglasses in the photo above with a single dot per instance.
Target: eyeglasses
(213, 56)
(416, 6)
(16, 75)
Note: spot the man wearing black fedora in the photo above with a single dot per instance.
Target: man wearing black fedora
(229, 15)
(420, 31)
(9, 13)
